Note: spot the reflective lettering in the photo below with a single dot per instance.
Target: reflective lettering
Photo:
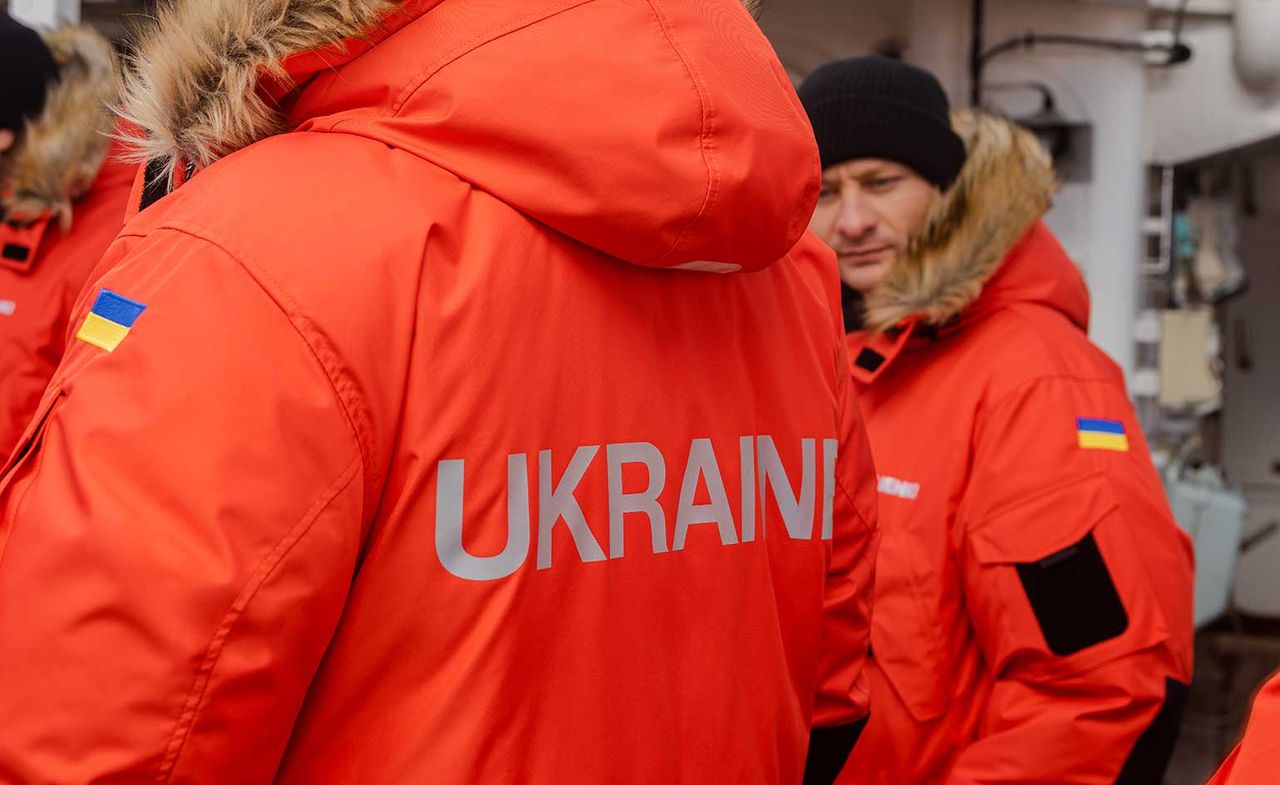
(797, 511)
(558, 503)
(646, 501)
(702, 463)
(449, 505)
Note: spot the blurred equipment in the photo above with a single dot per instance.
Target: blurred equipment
(1189, 352)
(1212, 514)
(1070, 142)
(1214, 221)
(1257, 29)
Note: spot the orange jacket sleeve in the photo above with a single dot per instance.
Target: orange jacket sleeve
(1255, 761)
(1079, 585)
(177, 537)
(842, 704)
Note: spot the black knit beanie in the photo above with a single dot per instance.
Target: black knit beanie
(27, 68)
(875, 107)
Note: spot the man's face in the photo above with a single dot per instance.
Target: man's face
(868, 212)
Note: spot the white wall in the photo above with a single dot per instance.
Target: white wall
(808, 33)
(45, 13)
(1202, 108)
(1100, 221)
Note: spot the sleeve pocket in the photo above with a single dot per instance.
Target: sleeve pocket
(1056, 582)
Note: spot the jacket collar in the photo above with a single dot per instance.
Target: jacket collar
(1036, 271)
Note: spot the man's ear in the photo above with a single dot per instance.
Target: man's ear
(7, 139)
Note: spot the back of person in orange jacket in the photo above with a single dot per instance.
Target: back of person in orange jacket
(1033, 598)
(474, 408)
(1257, 760)
(61, 201)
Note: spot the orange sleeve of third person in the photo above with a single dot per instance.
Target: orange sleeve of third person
(1257, 760)
(1079, 584)
(178, 534)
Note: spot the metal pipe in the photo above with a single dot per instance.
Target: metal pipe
(977, 61)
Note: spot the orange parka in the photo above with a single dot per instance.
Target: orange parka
(1033, 601)
(1257, 760)
(484, 419)
(62, 202)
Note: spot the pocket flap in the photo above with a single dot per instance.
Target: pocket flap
(1031, 529)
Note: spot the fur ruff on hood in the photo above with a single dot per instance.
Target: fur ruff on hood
(1006, 185)
(60, 153)
(193, 87)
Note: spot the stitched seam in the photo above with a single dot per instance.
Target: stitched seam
(349, 397)
(1056, 377)
(469, 45)
(262, 572)
(853, 505)
(706, 139)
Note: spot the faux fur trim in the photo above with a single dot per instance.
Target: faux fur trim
(61, 151)
(1006, 185)
(193, 86)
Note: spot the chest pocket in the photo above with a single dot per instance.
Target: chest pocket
(911, 617)
(1056, 583)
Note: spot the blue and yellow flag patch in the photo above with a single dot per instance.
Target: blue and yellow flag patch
(110, 320)
(1101, 434)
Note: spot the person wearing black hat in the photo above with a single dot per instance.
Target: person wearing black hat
(61, 201)
(28, 69)
(888, 151)
(1033, 593)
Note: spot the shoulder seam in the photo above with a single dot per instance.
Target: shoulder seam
(355, 408)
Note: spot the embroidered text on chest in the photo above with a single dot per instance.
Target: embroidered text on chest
(892, 486)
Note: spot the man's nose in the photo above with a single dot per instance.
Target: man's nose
(856, 219)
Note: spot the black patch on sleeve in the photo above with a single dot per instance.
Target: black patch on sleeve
(869, 360)
(1074, 598)
(829, 750)
(18, 253)
(1150, 756)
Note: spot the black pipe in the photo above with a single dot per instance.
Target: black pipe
(977, 61)
(1177, 52)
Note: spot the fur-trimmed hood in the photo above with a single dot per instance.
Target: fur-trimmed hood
(62, 151)
(194, 86)
(655, 159)
(1006, 186)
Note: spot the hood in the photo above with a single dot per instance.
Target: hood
(662, 132)
(61, 151)
(1006, 186)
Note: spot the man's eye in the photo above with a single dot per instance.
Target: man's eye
(828, 192)
(883, 183)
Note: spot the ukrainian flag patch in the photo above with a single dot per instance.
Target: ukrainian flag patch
(110, 320)
(1094, 434)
